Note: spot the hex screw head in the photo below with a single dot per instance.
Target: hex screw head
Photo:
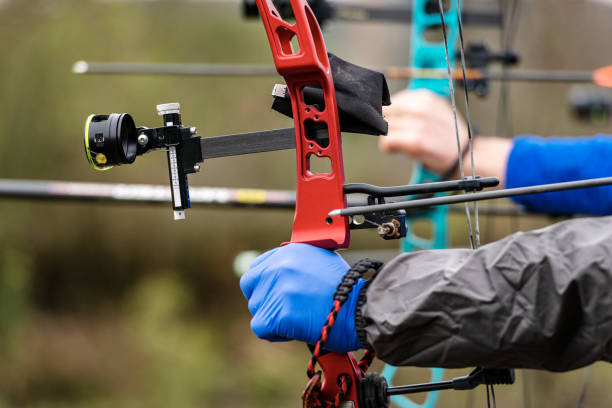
(143, 139)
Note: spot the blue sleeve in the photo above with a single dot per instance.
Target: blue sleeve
(536, 160)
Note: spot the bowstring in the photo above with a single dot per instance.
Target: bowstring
(454, 107)
(469, 122)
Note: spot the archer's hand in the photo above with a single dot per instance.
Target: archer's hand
(290, 293)
(422, 126)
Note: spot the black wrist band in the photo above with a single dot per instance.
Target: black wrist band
(361, 322)
(448, 174)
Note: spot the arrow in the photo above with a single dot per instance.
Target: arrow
(160, 194)
(601, 76)
(463, 198)
(144, 193)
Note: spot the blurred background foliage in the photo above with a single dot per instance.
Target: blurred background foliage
(107, 305)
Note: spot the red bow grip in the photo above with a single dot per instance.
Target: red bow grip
(317, 193)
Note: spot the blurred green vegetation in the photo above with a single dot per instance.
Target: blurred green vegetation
(106, 305)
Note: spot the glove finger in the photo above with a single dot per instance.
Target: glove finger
(260, 326)
(250, 280)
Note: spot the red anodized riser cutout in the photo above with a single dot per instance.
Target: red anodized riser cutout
(317, 194)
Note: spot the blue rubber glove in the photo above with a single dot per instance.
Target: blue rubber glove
(290, 293)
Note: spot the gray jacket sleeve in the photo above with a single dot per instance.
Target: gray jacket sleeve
(540, 299)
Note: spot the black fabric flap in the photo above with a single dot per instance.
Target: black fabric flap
(360, 93)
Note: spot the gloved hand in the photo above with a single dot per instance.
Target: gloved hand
(290, 293)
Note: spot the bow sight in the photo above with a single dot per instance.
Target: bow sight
(114, 139)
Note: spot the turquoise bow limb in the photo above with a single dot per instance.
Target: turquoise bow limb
(437, 374)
